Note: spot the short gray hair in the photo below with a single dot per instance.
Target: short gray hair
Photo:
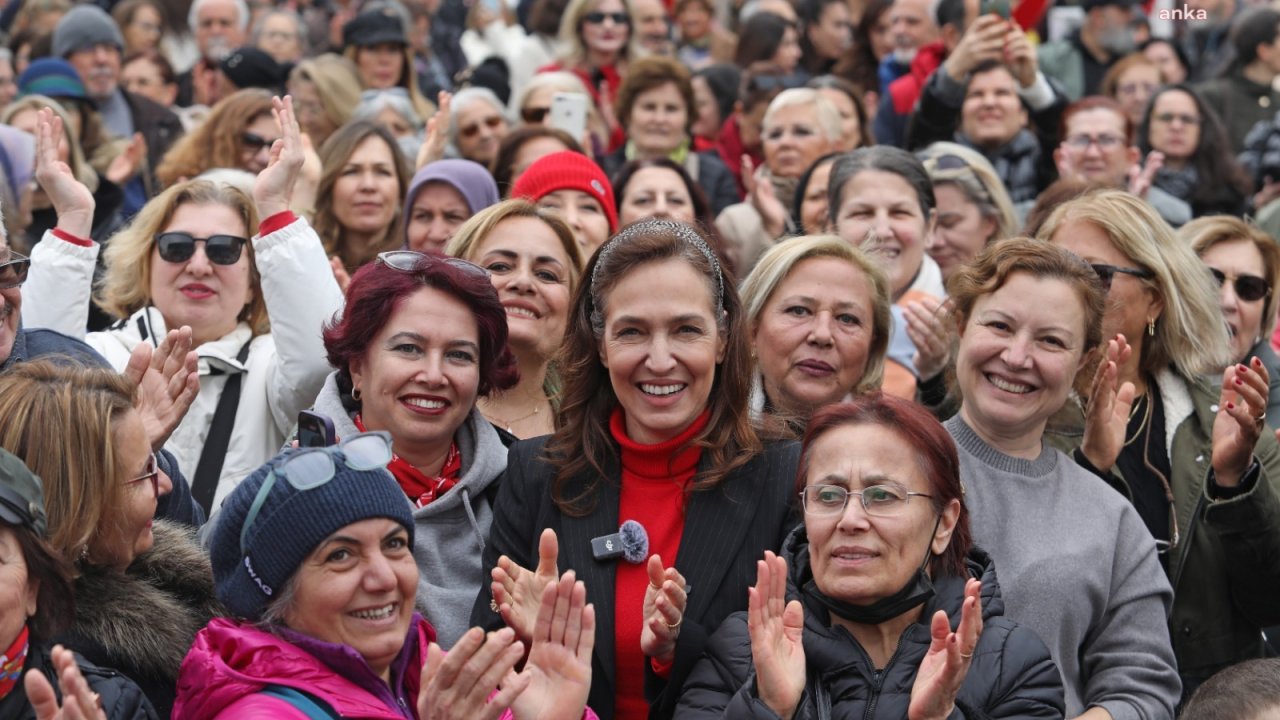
(242, 7)
(824, 111)
(303, 41)
(467, 97)
(373, 102)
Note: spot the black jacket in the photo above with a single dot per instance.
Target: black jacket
(726, 530)
(121, 698)
(706, 168)
(1012, 675)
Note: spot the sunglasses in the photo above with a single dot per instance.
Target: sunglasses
(1107, 273)
(315, 467)
(178, 247)
(534, 115)
(1249, 288)
(492, 122)
(950, 162)
(13, 272)
(618, 18)
(151, 473)
(412, 261)
(254, 141)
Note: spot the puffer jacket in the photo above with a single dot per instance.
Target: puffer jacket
(281, 375)
(121, 698)
(1012, 675)
(1224, 573)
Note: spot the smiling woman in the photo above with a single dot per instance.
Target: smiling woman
(237, 134)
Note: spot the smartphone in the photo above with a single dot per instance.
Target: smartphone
(569, 113)
(997, 7)
(315, 430)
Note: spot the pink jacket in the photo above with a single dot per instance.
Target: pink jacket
(231, 662)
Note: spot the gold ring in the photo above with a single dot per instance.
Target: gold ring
(493, 605)
(677, 625)
(966, 657)
(655, 587)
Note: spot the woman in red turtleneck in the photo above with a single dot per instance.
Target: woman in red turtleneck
(654, 427)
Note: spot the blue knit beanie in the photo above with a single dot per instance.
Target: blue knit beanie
(290, 524)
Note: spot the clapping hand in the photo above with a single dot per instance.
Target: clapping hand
(559, 666)
(1242, 415)
(1141, 176)
(72, 201)
(458, 686)
(928, 332)
(761, 195)
(1107, 417)
(945, 665)
(79, 702)
(663, 611)
(777, 637)
(273, 189)
(168, 381)
(517, 592)
(437, 136)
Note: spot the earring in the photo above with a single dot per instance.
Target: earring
(355, 394)
(1151, 327)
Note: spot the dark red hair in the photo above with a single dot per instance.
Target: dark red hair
(932, 446)
(377, 290)
(1096, 102)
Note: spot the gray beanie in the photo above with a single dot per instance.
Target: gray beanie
(85, 26)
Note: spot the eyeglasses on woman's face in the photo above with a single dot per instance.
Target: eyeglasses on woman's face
(598, 18)
(1169, 118)
(1249, 288)
(1107, 274)
(877, 500)
(179, 247)
(152, 473)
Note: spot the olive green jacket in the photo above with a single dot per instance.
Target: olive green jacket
(1225, 571)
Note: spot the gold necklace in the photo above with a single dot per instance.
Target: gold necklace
(507, 424)
(1146, 416)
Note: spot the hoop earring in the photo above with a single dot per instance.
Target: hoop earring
(355, 394)
(1151, 327)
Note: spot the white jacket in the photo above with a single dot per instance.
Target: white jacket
(283, 373)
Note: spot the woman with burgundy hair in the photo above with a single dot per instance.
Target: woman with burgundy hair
(856, 617)
(421, 338)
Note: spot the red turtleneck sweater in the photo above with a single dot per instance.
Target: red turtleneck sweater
(652, 493)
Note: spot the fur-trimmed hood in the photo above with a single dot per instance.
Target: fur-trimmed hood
(142, 621)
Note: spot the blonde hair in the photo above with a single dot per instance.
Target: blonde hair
(1203, 233)
(125, 288)
(575, 54)
(977, 180)
(337, 84)
(217, 142)
(79, 164)
(61, 419)
(825, 111)
(467, 238)
(1190, 333)
(778, 262)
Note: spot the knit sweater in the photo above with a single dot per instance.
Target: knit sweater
(1079, 568)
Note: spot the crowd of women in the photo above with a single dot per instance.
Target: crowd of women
(623, 374)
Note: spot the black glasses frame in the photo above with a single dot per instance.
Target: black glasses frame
(13, 272)
(1107, 273)
(179, 247)
(1249, 288)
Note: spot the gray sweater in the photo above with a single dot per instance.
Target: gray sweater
(450, 533)
(1079, 568)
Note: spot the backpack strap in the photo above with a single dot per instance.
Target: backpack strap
(214, 454)
(307, 704)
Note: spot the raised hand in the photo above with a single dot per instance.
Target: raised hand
(308, 185)
(983, 40)
(777, 637)
(663, 611)
(1019, 56)
(945, 665)
(1107, 417)
(517, 592)
(72, 201)
(340, 273)
(559, 665)
(79, 702)
(437, 136)
(1142, 176)
(168, 381)
(273, 189)
(457, 686)
(1241, 418)
(761, 195)
(928, 332)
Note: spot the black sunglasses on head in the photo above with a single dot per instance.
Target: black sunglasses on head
(1107, 273)
(177, 247)
(1249, 288)
(13, 272)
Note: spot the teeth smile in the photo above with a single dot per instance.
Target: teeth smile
(427, 404)
(522, 312)
(1009, 386)
(380, 614)
(661, 389)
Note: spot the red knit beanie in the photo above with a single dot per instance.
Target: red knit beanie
(567, 170)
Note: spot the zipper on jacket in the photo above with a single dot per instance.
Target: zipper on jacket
(1176, 575)
(878, 685)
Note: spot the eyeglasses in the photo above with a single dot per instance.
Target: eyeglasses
(410, 261)
(1249, 288)
(314, 467)
(877, 500)
(1107, 273)
(598, 18)
(255, 142)
(1134, 88)
(492, 122)
(950, 162)
(152, 473)
(534, 115)
(1105, 141)
(178, 247)
(13, 272)
(1168, 118)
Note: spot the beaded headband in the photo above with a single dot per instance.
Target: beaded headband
(652, 227)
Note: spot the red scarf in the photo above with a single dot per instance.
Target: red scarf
(417, 484)
(12, 663)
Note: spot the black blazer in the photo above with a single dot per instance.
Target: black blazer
(727, 529)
